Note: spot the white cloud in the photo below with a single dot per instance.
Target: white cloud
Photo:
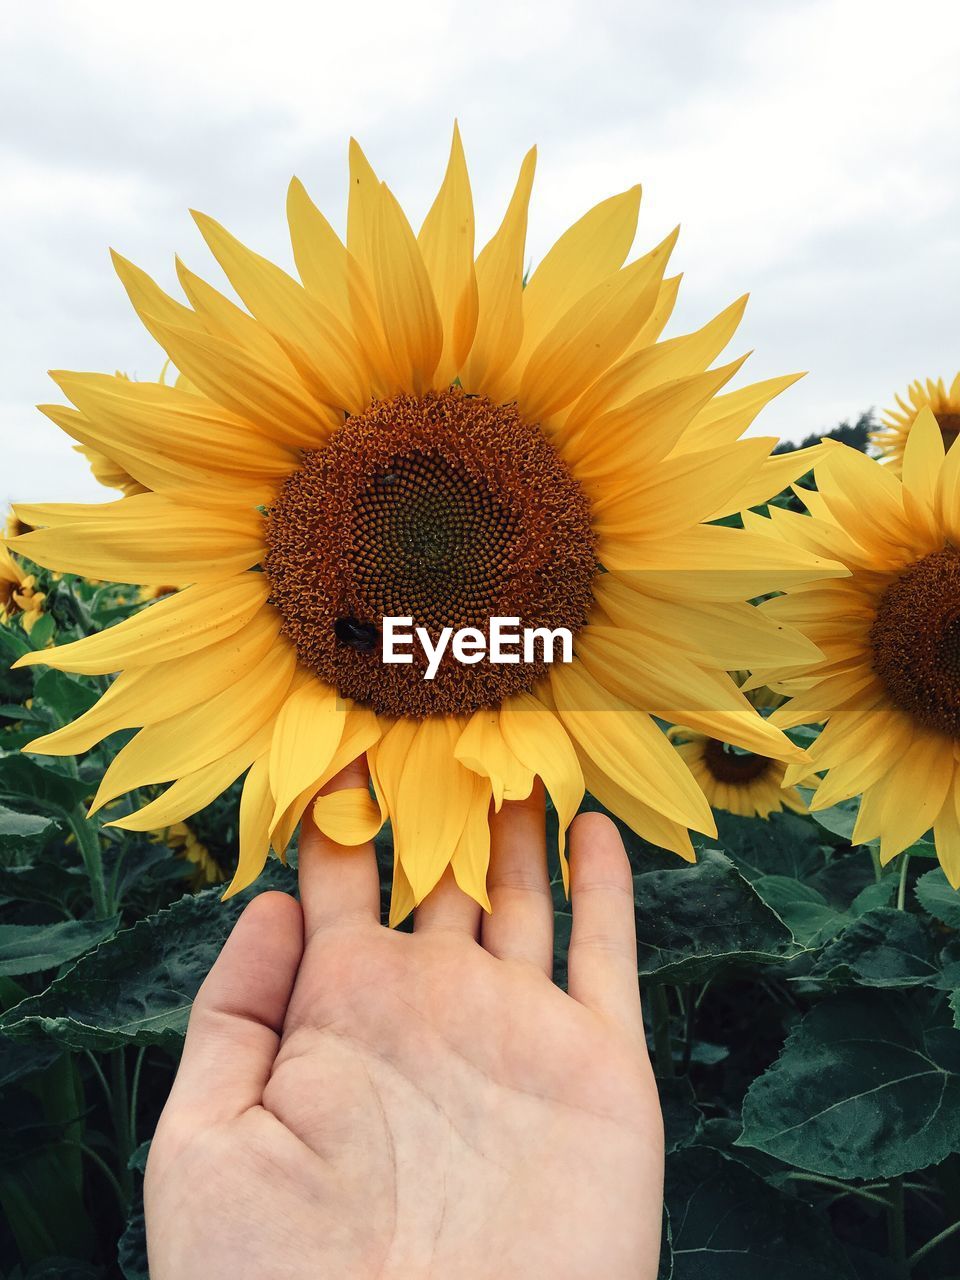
(808, 149)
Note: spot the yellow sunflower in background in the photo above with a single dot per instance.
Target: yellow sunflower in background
(186, 845)
(742, 782)
(896, 424)
(888, 685)
(19, 596)
(409, 431)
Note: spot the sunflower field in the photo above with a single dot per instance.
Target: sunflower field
(802, 1003)
(763, 693)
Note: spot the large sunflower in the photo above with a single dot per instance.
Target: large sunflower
(412, 432)
(888, 685)
(896, 423)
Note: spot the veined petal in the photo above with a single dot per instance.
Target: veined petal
(306, 734)
(256, 805)
(187, 438)
(538, 739)
(725, 418)
(646, 822)
(651, 366)
(146, 539)
(483, 749)
(628, 747)
(408, 310)
(922, 466)
(592, 334)
(586, 254)
(318, 344)
(428, 795)
(446, 242)
(915, 791)
(224, 319)
(471, 857)
(194, 791)
(188, 741)
(361, 207)
(500, 293)
(349, 817)
(173, 627)
(147, 695)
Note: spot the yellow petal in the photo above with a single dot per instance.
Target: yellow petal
(591, 335)
(540, 742)
(428, 795)
(146, 539)
(500, 293)
(646, 822)
(651, 366)
(306, 734)
(276, 402)
(483, 749)
(402, 900)
(149, 695)
(224, 319)
(726, 418)
(471, 857)
(171, 628)
(446, 243)
(318, 344)
(349, 817)
(408, 310)
(584, 256)
(922, 464)
(628, 747)
(915, 791)
(256, 805)
(195, 738)
(194, 791)
(361, 207)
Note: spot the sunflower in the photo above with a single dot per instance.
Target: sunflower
(409, 430)
(18, 593)
(892, 437)
(186, 845)
(888, 686)
(742, 782)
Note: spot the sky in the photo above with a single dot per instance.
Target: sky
(809, 151)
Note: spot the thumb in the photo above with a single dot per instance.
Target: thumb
(235, 1024)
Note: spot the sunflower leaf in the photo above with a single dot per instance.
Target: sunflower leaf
(729, 1224)
(937, 896)
(885, 948)
(23, 834)
(29, 948)
(865, 1087)
(138, 987)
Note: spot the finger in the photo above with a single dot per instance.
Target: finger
(448, 908)
(237, 1016)
(520, 923)
(602, 963)
(337, 882)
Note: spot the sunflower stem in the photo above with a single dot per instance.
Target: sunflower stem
(902, 887)
(896, 1227)
(662, 1048)
(87, 835)
(120, 1106)
(924, 1249)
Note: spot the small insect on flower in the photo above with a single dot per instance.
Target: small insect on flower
(362, 636)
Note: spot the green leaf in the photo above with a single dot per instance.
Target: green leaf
(67, 696)
(884, 948)
(138, 987)
(805, 911)
(937, 896)
(954, 1003)
(840, 819)
(23, 833)
(28, 948)
(786, 844)
(728, 1224)
(682, 1118)
(19, 1058)
(695, 921)
(863, 1088)
(23, 777)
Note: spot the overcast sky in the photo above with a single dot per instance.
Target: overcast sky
(809, 150)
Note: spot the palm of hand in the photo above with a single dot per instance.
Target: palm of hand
(431, 1110)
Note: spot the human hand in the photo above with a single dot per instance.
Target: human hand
(356, 1102)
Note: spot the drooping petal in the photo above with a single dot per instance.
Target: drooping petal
(256, 805)
(307, 733)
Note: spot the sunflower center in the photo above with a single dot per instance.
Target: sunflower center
(733, 767)
(916, 641)
(447, 509)
(949, 424)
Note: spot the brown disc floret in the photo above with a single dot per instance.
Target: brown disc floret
(447, 509)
